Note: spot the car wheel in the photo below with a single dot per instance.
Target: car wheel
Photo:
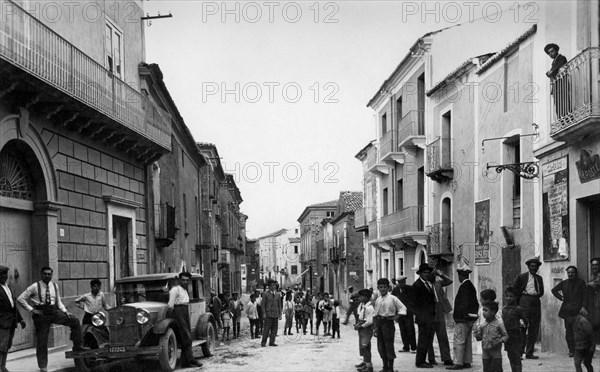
(168, 351)
(87, 364)
(208, 348)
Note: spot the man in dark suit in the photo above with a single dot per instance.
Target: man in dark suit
(559, 90)
(236, 307)
(406, 322)
(530, 288)
(424, 307)
(465, 314)
(271, 306)
(572, 294)
(439, 280)
(9, 317)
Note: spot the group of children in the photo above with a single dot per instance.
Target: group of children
(493, 329)
(301, 307)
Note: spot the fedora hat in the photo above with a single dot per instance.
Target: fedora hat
(464, 268)
(424, 267)
(534, 260)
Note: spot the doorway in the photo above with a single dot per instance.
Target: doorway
(121, 247)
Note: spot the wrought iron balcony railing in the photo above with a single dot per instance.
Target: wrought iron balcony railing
(439, 160)
(28, 44)
(165, 229)
(575, 97)
(412, 125)
(440, 238)
(360, 220)
(409, 219)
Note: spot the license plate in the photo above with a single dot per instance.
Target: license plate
(120, 349)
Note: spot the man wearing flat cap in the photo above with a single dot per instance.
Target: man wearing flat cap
(465, 314)
(9, 317)
(530, 287)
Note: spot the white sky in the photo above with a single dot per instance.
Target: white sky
(351, 49)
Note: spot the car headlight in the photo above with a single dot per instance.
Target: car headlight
(142, 316)
(98, 319)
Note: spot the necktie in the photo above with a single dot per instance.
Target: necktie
(48, 295)
(535, 284)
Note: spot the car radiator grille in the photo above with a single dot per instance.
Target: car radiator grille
(126, 333)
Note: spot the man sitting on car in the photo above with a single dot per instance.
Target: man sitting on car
(178, 300)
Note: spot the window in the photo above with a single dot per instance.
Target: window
(184, 214)
(296, 231)
(401, 265)
(294, 269)
(398, 111)
(399, 195)
(295, 249)
(113, 46)
(385, 201)
(329, 214)
(513, 154)
(384, 124)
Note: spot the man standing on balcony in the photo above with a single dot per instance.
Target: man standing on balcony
(562, 101)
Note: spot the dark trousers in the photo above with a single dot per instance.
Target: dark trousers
(426, 333)
(534, 316)
(42, 329)
(182, 318)
(386, 330)
(352, 310)
(492, 365)
(319, 315)
(335, 326)
(513, 348)
(364, 343)
(442, 338)
(254, 328)
(583, 356)
(569, 335)
(407, 331)
(236, 326)
(269, 330)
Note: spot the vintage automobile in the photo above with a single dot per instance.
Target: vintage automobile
(139, 326)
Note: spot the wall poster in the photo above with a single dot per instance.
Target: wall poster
(482, 232)
(555, 204)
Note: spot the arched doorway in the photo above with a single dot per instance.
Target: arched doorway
(20, 188)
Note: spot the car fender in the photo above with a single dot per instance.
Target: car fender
(202, 322)
(161, 327)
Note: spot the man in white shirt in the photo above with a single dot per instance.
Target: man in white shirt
(48, 309)
(388, 309)
(364, 326)
(178, 303)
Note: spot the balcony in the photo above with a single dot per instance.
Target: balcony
(412, 130)
(388, 148)
(373, 228)
(374, 165)
(576, 98)
(57, 71)
(440, 240)
(164, 219)
(406, 224)
(360, 220)
(439, 164)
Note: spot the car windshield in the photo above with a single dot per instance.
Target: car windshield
(143, 291)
